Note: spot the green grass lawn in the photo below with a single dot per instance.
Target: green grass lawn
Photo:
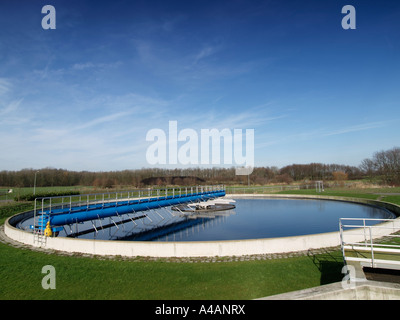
(370, 193)
(16, 192)
(80, 277)
(91, 278)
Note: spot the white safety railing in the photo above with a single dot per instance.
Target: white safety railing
(373, 242)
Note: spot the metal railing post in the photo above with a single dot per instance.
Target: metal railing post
(341, 238)
(365, 234)
(34, 216)
(372, 247)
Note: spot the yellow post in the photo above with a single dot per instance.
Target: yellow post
(47, 231)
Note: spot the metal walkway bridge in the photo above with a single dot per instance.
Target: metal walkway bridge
(373, 243)
(53, 213)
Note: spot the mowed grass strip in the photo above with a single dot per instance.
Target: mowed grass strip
(91, 278)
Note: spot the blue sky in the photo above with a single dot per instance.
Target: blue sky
(83, 96)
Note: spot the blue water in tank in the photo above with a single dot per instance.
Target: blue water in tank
(271, 218)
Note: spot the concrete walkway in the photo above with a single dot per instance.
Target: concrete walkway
(366, 290)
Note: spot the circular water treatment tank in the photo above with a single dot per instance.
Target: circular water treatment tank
(246, 219)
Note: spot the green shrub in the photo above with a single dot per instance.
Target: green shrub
(32, 197)
(10, 209)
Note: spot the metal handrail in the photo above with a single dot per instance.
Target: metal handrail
(369, 236)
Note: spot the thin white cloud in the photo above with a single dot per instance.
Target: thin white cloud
(13, 115)
(95, 140)
(194, 67)
(5, 85)
(358, 127)
(206, 52)
(10, 108)
(91, 65)
(82, 66)
(170, 25)
(102, 120)
(276, 138)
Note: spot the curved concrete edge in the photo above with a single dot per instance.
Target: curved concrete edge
(179, 249)
(193, 249)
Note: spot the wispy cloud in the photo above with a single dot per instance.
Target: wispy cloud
(91, 65)
(191, 67)
(206, 52)
(102, 120)
(358, 127)
(12, 115)
(82, 66)
(5, 85)
(113, 131)
(10, 108)
(270, 138)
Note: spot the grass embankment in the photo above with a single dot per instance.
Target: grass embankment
(80, 277)
(26, 191)
(382, 194)
(91, 278)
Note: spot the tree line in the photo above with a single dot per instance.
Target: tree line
(384, 165)
(319, 171)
